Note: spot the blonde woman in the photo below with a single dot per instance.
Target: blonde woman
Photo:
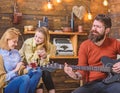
(10, 65)
(38, 48)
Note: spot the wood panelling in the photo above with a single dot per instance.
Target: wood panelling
(114, 7)
(34, 10)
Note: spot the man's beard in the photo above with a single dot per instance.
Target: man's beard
(95, 38)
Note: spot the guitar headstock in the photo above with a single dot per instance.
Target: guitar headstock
(52, 67)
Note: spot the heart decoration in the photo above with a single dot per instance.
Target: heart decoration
(79, 11)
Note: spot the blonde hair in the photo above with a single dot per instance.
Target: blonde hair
(45, 32)
(10, 33)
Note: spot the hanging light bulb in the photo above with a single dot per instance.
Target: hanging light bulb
(49, 5)
(89, 16)
(105, 3)
(59, 1)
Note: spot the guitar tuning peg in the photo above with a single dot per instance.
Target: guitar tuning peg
(60, 66)
(47, 65)
(51, 65)
(55, 64)
(52, 62)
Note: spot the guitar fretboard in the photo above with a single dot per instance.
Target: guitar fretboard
(55, 66)
(92, 68)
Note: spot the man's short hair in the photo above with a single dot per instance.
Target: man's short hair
(104, 19)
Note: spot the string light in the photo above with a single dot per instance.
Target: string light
(89, 16)
(49, 5)
(105, 3)
(58, 1)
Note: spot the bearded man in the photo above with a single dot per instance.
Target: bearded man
(99, 49)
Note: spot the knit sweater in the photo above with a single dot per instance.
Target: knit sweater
(90, 55)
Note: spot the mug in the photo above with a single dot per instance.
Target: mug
(80, 28)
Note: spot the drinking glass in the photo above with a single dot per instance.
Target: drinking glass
(33, 64)
(40, 52)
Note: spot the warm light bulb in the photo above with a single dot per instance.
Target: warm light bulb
(49, 5)
(105, 2)
(89, 16)
(58, 1)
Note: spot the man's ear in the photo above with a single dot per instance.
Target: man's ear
(107, 30)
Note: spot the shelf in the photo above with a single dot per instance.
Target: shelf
(64, 57)
(67, 33)
(29, 32)
(59, 33)
(65, 89)
(62, 89)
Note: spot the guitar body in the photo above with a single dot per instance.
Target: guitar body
(112, 77)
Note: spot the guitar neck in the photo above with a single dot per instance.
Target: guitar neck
(92, 68)
(55, 66)
(88, 68)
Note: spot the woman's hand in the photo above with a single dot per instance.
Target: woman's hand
(42, 53)
(18, 66)
(116, 67)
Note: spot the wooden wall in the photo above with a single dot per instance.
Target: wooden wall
(114, 9)
(34, 10)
